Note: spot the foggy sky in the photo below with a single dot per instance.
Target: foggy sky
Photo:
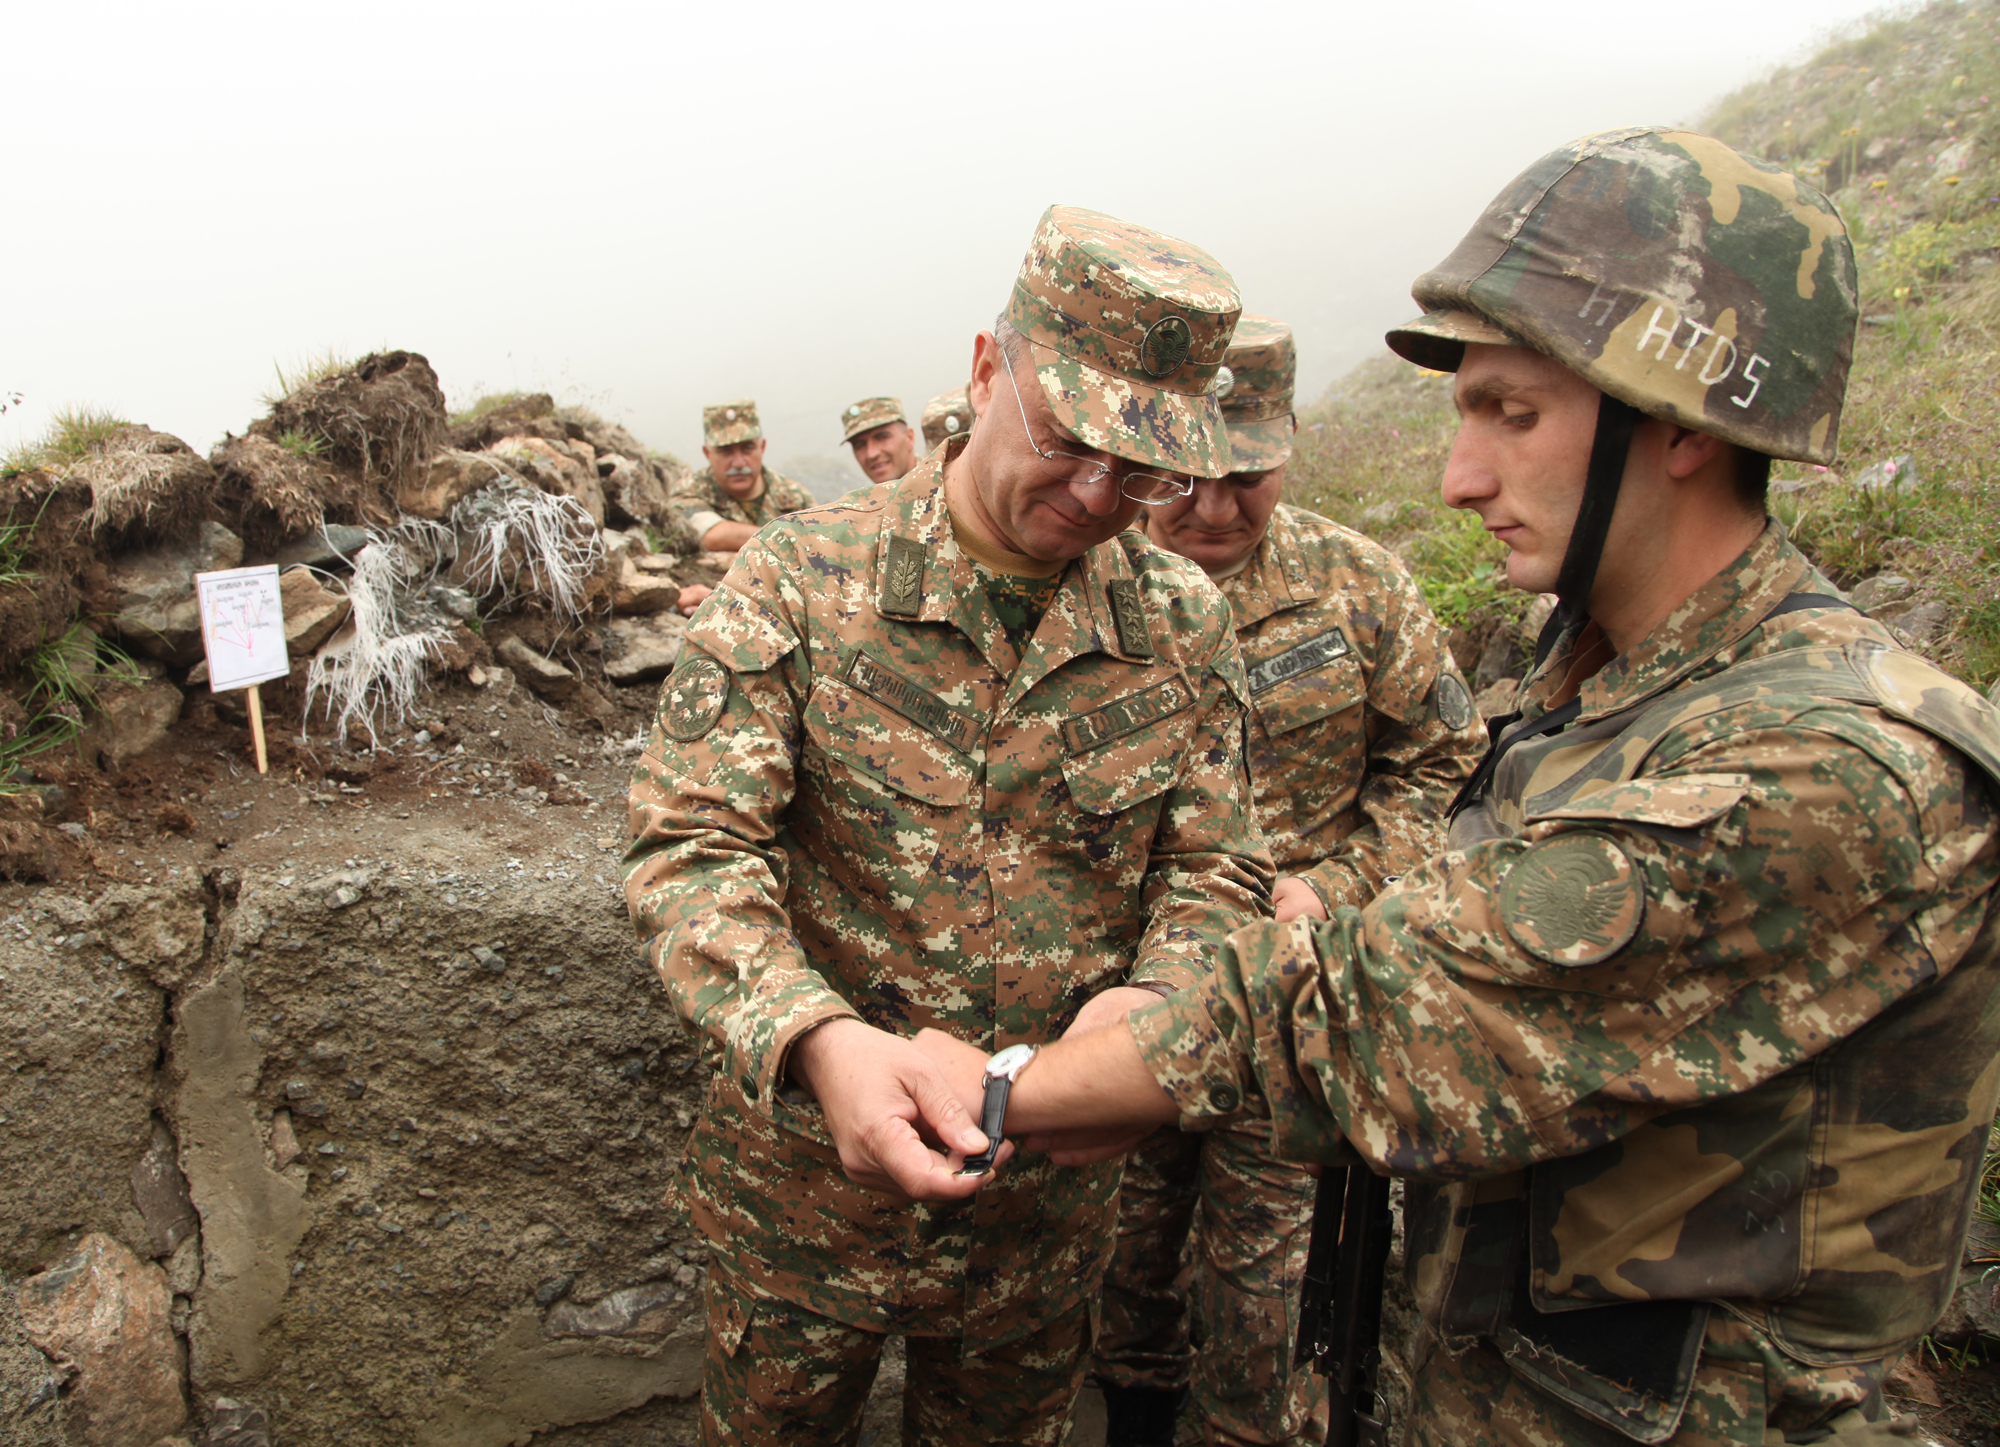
(643, 209)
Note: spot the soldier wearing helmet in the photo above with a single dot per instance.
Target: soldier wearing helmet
(1361, 731)
(1646, 1042)
(960, 751)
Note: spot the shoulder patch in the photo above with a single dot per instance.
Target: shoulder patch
(1573, 899)
(695, 694)
(1453, 703)
(903, 578)
(1130, 616)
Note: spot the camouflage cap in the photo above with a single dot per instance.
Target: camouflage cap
(1696, 283)
(1257, 394)
(870, 413)
(1128, 328)
(728, 423)
(946, 415)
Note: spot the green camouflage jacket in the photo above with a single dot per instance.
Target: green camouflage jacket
(1361, 728)
(1701, 1007)
(857, 800)
(700, 502)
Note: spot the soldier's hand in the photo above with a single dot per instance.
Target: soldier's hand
(1293, 898)
(887, 1106)
(692, 596)
(962, 1065)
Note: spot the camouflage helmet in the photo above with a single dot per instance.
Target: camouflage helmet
(1686, 279)
(1127, 327)
(1263, 366)
(870, 413)
(946, 415)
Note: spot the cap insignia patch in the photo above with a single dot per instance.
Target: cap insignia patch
(951, 424)
(729, 415)
(1454, 704)
(1166, 345)
(1130, 616)
(696, 692)
(903, 578)
(1573, 899)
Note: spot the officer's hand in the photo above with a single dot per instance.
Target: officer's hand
(1108, 1008)
(883, 1100)
(963, 1067)
(691, 597)
(1294, 899)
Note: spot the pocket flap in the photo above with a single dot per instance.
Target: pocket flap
(861, 734)
(1684, 801)
(1129, 750)
(1304, 698)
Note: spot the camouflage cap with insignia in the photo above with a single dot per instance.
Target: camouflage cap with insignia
(946, 415)
(1262, 367)
(1128, 329)
(728, 423)
(1691, 281)
(870, 413)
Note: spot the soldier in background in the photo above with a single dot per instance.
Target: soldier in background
(1689, 1046)
(725, 503)
(1361, 731)
(962, 751)
(884, 446)
(946, 416)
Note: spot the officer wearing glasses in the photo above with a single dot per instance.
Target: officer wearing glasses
(960, 752)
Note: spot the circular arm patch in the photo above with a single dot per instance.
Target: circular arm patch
(1573, 899)
(696, 692)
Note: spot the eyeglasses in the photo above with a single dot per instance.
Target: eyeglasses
(1149, 488)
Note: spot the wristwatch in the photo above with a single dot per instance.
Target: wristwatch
(999, 1075)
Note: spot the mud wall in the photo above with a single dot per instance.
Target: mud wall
(398, 1136)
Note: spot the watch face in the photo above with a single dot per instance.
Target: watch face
(1008, 1061)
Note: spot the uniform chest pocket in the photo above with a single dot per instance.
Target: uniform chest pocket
(863, 737)
(1129, 750)
(1319, 680)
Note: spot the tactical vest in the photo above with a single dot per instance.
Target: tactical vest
(1828, 1206)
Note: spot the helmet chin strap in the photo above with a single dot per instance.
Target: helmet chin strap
(1608, 449)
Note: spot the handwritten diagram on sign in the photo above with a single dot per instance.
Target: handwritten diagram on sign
(242, 626)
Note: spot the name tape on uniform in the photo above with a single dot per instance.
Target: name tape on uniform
(1313, 653)
(914, 702)
(1125, 715)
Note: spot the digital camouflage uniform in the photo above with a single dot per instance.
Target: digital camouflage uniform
(1361, 730)
(860, 800)
(1690, 1043)
(701, 503)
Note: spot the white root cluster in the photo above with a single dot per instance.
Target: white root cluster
(372, 669)
(516, 541)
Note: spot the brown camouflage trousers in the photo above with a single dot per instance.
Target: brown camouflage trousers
(1248, 1215)
(1746, 1394)
(778, 1373)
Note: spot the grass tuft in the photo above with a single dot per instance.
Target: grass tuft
(73, 434)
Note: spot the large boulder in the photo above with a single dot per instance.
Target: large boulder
(153, 592)
(642, 650)
(544, 676)
(103, 1313)
(452, 476)
(640, 592)
(133, 717)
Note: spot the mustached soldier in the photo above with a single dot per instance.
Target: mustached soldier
(960, 752)
(1361, 731)
(1688, 1047)
(727, 501)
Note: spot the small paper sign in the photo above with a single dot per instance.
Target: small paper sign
(242, 626)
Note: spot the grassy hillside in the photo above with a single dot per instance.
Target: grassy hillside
(1897, 122)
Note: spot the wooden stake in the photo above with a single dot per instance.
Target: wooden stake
(257, 728)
